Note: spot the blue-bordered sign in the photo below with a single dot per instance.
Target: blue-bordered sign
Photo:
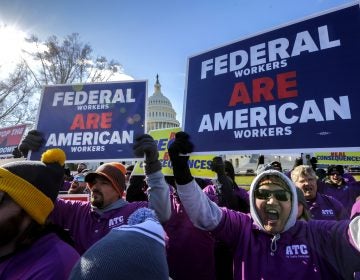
(291, 89)
(93, 122)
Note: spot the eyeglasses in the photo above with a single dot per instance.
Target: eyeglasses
(280, 195)
(334, 173)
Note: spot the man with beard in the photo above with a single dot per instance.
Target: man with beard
(321, 206)
(269, 243)
(88, 222)
(29, 247)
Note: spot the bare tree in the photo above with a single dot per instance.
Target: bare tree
(50, 62)
(15, 95)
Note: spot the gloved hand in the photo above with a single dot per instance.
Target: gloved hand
(16, 153)
(145, 144)
(218, 166)
(32, 141)
(178, 151)
(261, 160)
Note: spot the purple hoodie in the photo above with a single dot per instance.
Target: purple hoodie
(345, 193)
(325, 207)
(190, 250)
(304, 250)
(48, 258)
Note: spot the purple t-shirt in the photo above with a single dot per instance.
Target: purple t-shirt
(190, 251)
(48, 258)
(325, 207)
(87, 226)
(308, 250)
(345, 193)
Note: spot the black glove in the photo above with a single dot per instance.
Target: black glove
(32, 141)
(145, 144)
(218, 166)
(181, 145)
(261, 160)
(16, 153)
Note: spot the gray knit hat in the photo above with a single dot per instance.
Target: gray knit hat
(133, 252)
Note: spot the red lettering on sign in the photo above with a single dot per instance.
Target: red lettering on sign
(263, 89)
(92, 121)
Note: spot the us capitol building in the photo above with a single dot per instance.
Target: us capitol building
(160, 113)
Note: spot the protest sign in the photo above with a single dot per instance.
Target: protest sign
(200, 165)
(10, 138)
(81, 197)
(343, 158)
(93, 122)
(292, 89)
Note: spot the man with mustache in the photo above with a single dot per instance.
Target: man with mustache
(269, 243)
(88, 222)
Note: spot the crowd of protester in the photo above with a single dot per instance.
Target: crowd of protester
(293, 225)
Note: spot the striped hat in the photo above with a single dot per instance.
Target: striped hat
(134, 251)
(34, 185)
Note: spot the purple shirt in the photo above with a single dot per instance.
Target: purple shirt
(325, 207)
(190, 251)
(302, 252)
(345, 193)
(48, 258)
(85, 225)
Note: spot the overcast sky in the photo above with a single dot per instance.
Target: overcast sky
(158, 36)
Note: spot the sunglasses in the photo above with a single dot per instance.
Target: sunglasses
(280, 195)
(334, 173)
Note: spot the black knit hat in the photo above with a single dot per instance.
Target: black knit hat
(335, 168)
(34, 185)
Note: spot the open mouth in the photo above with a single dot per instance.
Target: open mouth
(307, 190)
(272, 215)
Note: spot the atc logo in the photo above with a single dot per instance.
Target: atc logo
(328, 212)
(117, 221)
(297, 251)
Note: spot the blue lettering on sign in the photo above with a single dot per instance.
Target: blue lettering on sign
(165, 163)
(200, 164)
(161, 144)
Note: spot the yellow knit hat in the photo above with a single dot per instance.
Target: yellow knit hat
(34, 185)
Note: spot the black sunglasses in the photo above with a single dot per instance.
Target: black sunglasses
(280, 195)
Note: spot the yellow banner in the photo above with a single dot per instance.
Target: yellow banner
(343, 158)
(200, 165)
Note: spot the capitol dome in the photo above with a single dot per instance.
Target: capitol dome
(160, 113)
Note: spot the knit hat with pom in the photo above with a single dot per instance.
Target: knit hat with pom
(133, 251)
(34, 185)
